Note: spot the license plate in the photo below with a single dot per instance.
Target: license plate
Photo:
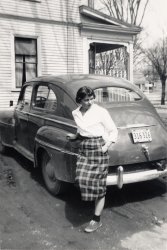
(141, 135)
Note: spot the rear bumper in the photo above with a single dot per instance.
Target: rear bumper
(122, 178)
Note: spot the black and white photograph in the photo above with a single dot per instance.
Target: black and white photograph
(83, 125)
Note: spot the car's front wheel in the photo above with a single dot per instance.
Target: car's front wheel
(53, 185)
(2, 147)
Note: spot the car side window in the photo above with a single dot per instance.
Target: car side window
(67, 105)
(51, 102)
(41, 96)
(45, 98)
(25, 99)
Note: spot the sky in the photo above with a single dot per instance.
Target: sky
(155, 22)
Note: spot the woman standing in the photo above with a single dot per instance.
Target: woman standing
(97, 132)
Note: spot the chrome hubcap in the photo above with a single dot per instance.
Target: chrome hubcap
(50, 172)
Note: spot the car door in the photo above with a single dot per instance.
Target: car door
(44, 101)
(64, 114)
(21, 120)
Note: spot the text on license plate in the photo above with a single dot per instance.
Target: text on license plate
(141, 135)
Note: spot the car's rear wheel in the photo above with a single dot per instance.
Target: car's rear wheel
(53, 185)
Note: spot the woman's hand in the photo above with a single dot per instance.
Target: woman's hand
(106, 146)
(71, 137)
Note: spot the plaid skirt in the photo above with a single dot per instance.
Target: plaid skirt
(92, 169)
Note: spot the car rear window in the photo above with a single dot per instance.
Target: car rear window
(116, 94)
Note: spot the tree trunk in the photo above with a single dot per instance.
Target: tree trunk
(163, 81)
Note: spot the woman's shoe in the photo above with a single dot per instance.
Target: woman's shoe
(93, 226)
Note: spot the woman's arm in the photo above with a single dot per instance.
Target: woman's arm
(111, 129)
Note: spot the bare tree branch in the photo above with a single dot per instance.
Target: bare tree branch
(143, 13)
(136, 8)
(127, 10)
(158, 57)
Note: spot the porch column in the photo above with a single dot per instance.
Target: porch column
(85, 56)
(130, 62)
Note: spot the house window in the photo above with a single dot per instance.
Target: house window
(25, 60)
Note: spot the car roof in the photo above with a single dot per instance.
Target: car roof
(72, 82)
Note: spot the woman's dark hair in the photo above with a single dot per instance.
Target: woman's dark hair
(83, 92)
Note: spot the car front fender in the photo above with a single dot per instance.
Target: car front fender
(7, 127)
(62, 152)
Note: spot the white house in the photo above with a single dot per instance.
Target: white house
(40, 37)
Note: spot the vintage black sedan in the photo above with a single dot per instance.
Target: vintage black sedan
(39, 125)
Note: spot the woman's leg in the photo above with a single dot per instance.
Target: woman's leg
(95, 222)
(99, 205)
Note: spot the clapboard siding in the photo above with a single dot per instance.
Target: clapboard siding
(58, 10)
(5, 66)
(60, 48)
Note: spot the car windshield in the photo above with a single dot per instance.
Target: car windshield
(115, 94)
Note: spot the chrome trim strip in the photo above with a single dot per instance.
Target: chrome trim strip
(49, 119)
(24, 152)
(54, 147)
(20, 111)
(135, 177)
(136, 126)
(8, 124)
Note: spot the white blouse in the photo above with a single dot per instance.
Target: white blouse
(95, 122)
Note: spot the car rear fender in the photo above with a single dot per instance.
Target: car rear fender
(137, 116)
(61, 151)
(125, 151)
